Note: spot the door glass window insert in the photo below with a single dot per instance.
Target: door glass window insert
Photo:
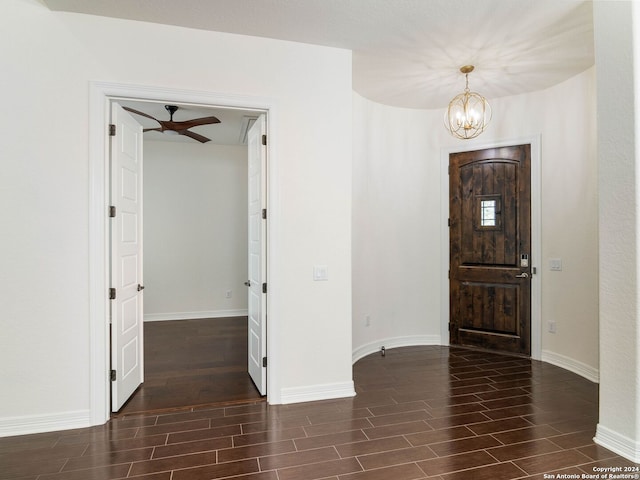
(487, 213)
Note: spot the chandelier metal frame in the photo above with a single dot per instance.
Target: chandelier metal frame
(468, 113)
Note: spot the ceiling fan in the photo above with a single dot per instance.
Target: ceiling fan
(181, 128)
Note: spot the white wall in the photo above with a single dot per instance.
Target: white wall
(398, 187)
(618, 58)
(44, 306)
(195, 230)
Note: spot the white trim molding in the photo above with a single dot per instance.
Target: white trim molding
(575, 366)
(29, 424)
(101, 94)
(394, 342)
(617, 443)
(162, 317)
(312, 393)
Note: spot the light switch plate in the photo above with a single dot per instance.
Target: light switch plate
(555, 264)
(320, 273)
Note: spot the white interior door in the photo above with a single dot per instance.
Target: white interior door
(257, 255)
(126, 257)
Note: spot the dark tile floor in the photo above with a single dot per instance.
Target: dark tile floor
(421, 412)
(193, 362)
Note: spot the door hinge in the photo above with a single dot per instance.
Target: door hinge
(449, 170)
(264, 140)
(264, 213)
(448, 222)
(449, 274)
(112, 211)
(112, 130)
(112, 375)
(449, 327)
(264, 361)
(112, 294)
(264, 288)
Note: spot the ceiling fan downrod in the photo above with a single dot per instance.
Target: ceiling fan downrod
(171, 109)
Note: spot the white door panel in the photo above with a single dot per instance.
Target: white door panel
(126, 257)
(257, 256)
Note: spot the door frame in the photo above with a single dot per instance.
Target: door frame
(536, 234)
(101, 94)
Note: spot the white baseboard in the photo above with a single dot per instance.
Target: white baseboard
(572, 365)
(24, 425)
(160, 317)
(617, 443)
(394, 342)
(313, 393)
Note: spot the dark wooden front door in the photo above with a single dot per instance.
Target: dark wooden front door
(490, 248)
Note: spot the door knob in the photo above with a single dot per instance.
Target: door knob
(523, 275)
(140, 287)
(247, 283)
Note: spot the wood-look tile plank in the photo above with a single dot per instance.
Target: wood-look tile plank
(453, 463)
(123, 456)
(399, 408)
(496, 426)
(596, 452)
(268, 436)
(25, 468)
(210, 472)
(203, 434)
(329, 439)
(395, 457)
(371, 446)
(408, 471)
(284, 460)
(396, 418)
(464, 445)
(319, 470)
(337, 427)
(550, 462)
(126, 444)
(252, 451)
(99, 473)
(503, 471)
(575, 439)
(196, 446)
(524, 449)
(187, 426)
(399, 429)
(525, 434)
(173, 463)
(455, 420)
(437, 436)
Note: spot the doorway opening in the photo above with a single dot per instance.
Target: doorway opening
(194, 337)
(102, 94)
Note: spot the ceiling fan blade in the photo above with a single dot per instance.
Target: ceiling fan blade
(195, 136)
(152, 130)
(193, 123)
(140, 113)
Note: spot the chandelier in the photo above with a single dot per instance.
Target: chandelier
(469, 113)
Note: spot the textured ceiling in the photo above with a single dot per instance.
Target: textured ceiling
(405, 52)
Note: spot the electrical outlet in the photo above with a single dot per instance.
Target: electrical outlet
(367, 320)
(551, 326)
(228, 294)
